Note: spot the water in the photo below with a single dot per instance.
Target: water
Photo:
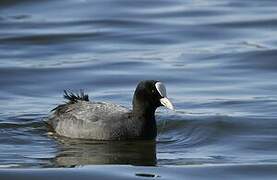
(217, 59)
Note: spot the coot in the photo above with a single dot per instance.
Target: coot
(84, 119)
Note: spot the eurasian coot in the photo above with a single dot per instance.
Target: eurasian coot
(84, 119)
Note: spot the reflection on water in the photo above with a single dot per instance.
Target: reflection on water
(81, 152)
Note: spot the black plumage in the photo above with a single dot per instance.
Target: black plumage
(81, 118)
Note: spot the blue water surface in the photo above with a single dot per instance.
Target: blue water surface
(216, 58)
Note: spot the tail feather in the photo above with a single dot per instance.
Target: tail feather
(75, 97)
(72, 98)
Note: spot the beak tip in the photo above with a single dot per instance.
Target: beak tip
(171, 108)
(166, 103)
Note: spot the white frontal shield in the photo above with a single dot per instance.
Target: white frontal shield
(164, 100)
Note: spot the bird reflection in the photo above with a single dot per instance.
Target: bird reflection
(86, 152)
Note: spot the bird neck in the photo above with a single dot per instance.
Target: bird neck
(145, 113)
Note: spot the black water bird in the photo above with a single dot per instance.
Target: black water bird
(84, 119)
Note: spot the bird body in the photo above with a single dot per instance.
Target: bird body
(84, 119)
